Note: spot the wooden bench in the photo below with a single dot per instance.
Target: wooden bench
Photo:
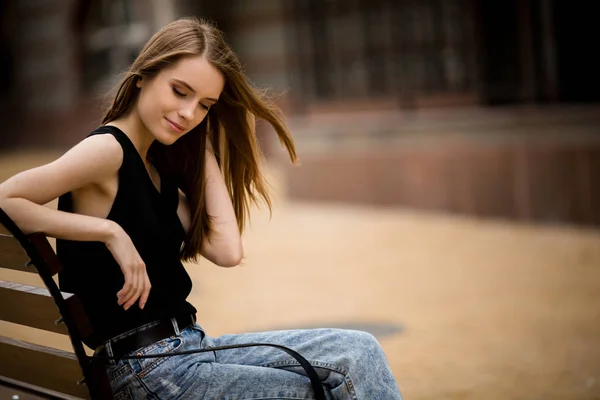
(50, 372)
(28, 367)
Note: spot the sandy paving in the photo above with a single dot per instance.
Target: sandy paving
(490, 310)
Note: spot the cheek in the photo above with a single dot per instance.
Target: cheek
(150, 108)
(200, 116)
(145, 107)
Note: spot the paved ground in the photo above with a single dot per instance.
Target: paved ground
(488, 310)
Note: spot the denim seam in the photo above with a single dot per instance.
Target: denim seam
(150, 393)
(119, 372)
(124, 394)
(321, 364)
(314, 363)
(350, 387)
(158, 360)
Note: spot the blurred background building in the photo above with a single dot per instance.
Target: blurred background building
(471, 106)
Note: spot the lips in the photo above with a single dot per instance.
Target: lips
(176, 127)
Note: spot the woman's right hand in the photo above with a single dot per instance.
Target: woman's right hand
(92, 161)
(137, 284)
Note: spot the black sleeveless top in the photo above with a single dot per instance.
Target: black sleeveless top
(150, 218)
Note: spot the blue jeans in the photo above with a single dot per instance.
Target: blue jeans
(351, 365)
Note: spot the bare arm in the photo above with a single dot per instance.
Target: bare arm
(22, 195)
(224, 246)
(91, 161)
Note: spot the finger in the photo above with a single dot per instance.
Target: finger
(146, 292)
(139, 288)
(121, 294)
(130, 297)
(129, 290)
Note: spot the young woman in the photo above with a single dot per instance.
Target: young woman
(168, 177)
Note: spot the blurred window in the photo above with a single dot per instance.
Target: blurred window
(379, 48)
(113, 32)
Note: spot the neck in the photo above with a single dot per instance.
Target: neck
(139, 135)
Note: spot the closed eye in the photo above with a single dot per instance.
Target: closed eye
(178, 93)
(181, 94)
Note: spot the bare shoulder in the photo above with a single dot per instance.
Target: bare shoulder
(102, 151)
(91, 161)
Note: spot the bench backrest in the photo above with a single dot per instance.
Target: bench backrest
(29, 365)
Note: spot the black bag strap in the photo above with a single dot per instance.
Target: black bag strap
(308, 368)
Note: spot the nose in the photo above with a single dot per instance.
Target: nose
(187, 111)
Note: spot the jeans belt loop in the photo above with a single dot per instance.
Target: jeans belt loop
(109, 352)
(175, 326)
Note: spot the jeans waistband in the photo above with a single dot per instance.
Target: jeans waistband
(107, 344)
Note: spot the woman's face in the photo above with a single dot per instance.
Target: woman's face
(178, 98)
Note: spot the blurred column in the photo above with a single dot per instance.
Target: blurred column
(258, 35)
(550, 85)
(45, 56)
(524, 20)
(116, 34)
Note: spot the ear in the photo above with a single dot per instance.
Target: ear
(138, 82)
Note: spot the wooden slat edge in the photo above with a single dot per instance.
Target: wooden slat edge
(36, 390)
(30, 306)
(13, 256)
(3, 230)
(42, 366)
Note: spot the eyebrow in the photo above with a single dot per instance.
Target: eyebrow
(183, 83)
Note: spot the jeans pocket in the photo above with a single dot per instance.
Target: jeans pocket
(116, 373)
(142, 366)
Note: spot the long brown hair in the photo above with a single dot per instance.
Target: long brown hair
(230, 122)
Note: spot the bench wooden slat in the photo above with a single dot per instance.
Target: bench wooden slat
(31, 390)
(12, 255)
(41, 366)
(37, 367)
(36, 307)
